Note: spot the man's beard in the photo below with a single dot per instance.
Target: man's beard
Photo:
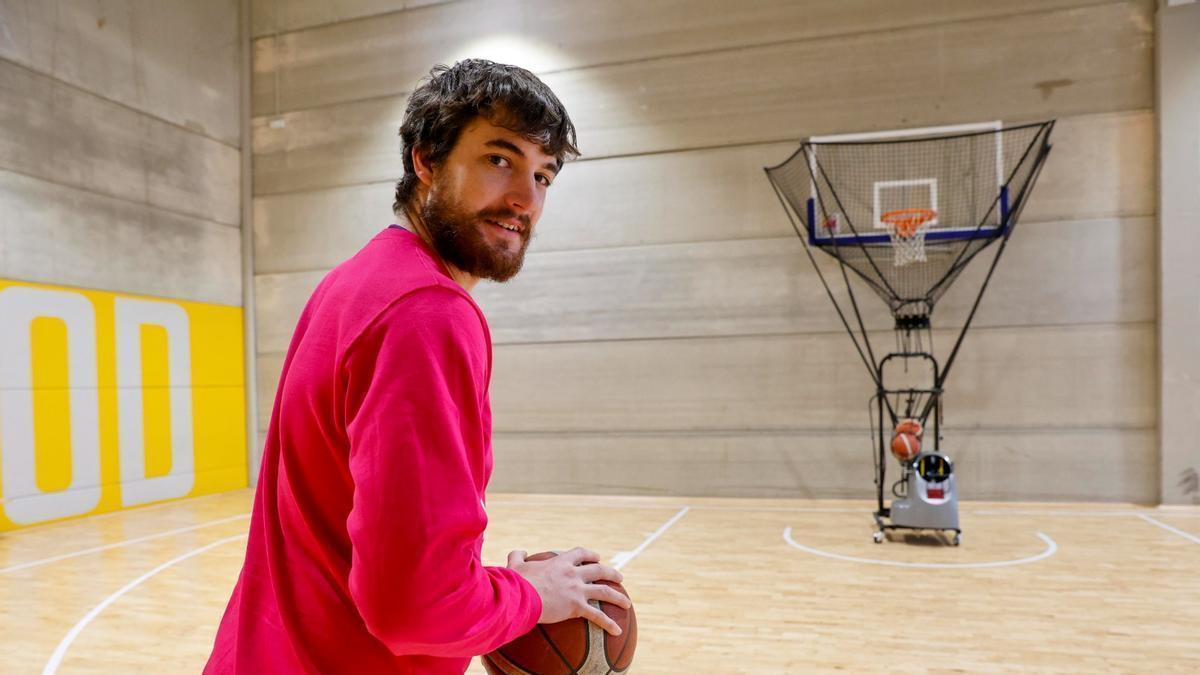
(459, 239)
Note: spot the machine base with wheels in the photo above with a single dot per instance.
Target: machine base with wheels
(930, 501)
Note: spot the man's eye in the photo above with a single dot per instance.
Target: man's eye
(544, 179)
(498, 160)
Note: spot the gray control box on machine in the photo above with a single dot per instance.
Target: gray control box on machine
(931, 501)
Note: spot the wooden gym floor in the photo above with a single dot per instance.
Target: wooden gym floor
(720, 585)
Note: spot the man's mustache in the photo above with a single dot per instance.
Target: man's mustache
(502, 214)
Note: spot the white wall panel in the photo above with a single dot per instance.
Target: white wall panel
(269, 16)
(1179, 276)
(1020, 464)
(668, 335)
(1073, 377)
(278, 301)
(177, 61)
(1054, 377)
(317, 230)
(388, 54)
(1051, 273)
(1078, 61)
(59, 235)
(59, 133)
(1101, 166)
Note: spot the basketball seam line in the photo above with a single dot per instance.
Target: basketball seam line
(612, 665)
(509, 661)
(546, 637)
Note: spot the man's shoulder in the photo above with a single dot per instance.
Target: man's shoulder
(435, 303)
(432, 321)
(392, 265)
(394, 259)
(393, 277)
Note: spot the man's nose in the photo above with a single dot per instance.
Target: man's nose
(523, 195)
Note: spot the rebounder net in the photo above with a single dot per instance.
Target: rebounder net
(907, 214)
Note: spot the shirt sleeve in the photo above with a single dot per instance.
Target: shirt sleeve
(416, 382)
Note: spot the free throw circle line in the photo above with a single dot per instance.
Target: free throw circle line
(61, 650)
(1051, 549)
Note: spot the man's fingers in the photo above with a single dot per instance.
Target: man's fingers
(602, 620)
(608, 594)
(593, 573)
(580, 555)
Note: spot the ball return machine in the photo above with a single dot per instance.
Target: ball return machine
(904, 213)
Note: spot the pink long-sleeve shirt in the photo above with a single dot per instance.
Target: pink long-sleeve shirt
(364, 548)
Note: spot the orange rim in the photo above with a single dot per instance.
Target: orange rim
(906, 221)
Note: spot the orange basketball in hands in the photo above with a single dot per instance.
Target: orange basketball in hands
(905, 446)
(572, 646)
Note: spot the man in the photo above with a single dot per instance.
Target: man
(364, 549)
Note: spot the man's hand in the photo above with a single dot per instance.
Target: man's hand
(566, 582)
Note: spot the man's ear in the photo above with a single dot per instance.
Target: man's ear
(422, 166)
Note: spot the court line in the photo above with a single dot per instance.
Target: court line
(1052, 512)
(622, 558)
(1051, 549)
(1186, 535)
(61, 650)
(578, 504)
(119, 544)
(784, 509)
(825, 509)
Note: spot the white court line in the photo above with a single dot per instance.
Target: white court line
(622, 559)
(1190, 537)
(1051, 549)
(578, 504)
(785, 509)
(1052, 512)
(61, 651)
(826, 509)
(119, 544)
(698, 507)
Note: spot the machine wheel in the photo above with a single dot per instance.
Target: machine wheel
(879, 537)
(957, 538)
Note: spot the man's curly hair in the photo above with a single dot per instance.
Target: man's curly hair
(452, 96)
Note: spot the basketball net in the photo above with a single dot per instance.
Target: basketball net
(907, 228)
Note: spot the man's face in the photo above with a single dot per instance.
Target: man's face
(485, 198)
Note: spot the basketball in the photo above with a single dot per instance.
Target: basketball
(572, 646)
(905, 446)
(909, 426)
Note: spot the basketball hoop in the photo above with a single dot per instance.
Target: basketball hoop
(907, 230)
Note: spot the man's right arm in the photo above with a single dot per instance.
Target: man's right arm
(414, 386)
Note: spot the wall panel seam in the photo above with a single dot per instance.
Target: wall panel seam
(617, 156)
(121, 104)
(326, 24)
(125, 200)
(815, 334)
(697, 242)
(720, 432)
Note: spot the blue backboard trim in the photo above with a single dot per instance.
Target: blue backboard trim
(856, 239)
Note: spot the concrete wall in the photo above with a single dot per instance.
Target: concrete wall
(120, 141)
(1179, 175)
(668, 334)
